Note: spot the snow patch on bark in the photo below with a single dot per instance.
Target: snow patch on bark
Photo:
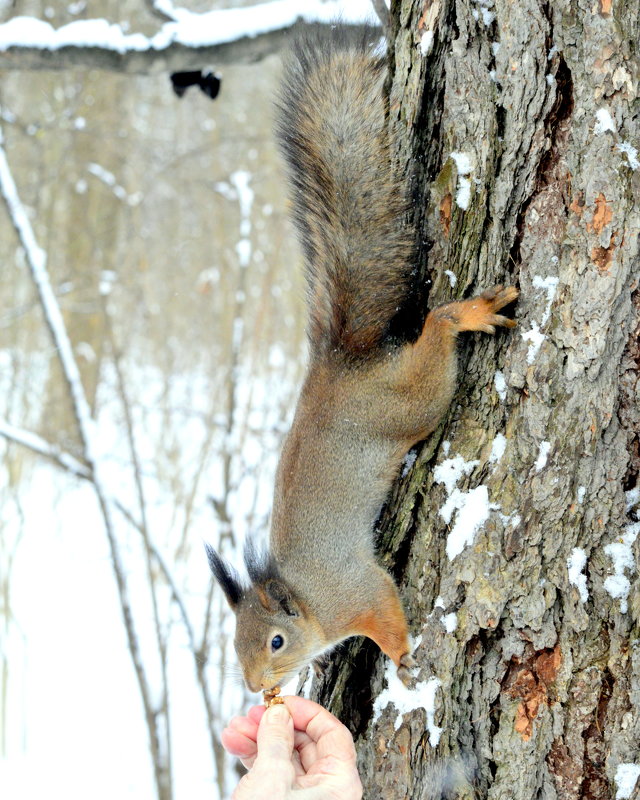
(535, 337)
(576, 563)
(473, 506)
(630, 152)
(451, 470)
(604, 122)
(543, 455)
(406, 700)
(464, 166)
(621, 554)
(452, 277)
(426, 43)
(501, 385)
(450, 622)
(498, 447)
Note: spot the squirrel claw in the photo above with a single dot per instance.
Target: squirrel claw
(500, 296)
(480, 313)
(405, 676)
(407, 660)
(406, 664)
(497, 319)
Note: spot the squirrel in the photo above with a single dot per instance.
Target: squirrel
(367, 397)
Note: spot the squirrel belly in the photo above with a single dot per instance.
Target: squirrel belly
(367, 397)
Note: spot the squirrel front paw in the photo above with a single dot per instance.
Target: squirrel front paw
(406, 664)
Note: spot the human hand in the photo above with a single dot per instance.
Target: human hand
(296, 746)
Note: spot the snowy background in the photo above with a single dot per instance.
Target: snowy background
(160, 226)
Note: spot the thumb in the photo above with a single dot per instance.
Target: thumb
(275, 739)
(272, 774)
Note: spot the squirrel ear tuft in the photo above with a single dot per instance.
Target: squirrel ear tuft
(273, 592)
(226, 576)
(259, 563)
(280, 593)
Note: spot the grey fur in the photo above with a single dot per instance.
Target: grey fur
(349, 204)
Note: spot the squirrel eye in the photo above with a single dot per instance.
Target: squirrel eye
(277, 642)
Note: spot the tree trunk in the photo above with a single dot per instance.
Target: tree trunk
(539, 693)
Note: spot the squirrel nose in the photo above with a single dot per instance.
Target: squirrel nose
(253, 685)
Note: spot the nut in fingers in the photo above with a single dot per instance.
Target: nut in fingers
(271, 697)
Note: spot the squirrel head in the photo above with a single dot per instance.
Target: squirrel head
(275, 635)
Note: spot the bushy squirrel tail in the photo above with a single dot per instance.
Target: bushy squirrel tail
(349, 204)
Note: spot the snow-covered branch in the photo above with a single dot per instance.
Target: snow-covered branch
(65, 461)
(188, 41)
(43, 448)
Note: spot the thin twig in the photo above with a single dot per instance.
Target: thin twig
(161, 639)
(43, 448)
(63, 460)
(37, 264)
(160, 13)
(380, 7)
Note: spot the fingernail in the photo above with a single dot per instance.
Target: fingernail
(277, 714)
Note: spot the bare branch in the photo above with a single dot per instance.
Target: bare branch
(161, 638)
(177, 597)
(40, 446)
(382, 11)
(36, 259)
(128, 419)
(62, 459)
(160, 13)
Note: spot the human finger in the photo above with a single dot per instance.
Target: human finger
(244, 725)
(240, 736)
(305, 749)
(330, 736)
(237, 743)
(243, 747)
(275, 749)
(255, 713)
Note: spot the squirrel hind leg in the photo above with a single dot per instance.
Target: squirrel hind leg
(386, 624)
(479, 313)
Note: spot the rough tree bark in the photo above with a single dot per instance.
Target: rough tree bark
(540, 689)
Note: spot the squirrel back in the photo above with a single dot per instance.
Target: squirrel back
(349, 203)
